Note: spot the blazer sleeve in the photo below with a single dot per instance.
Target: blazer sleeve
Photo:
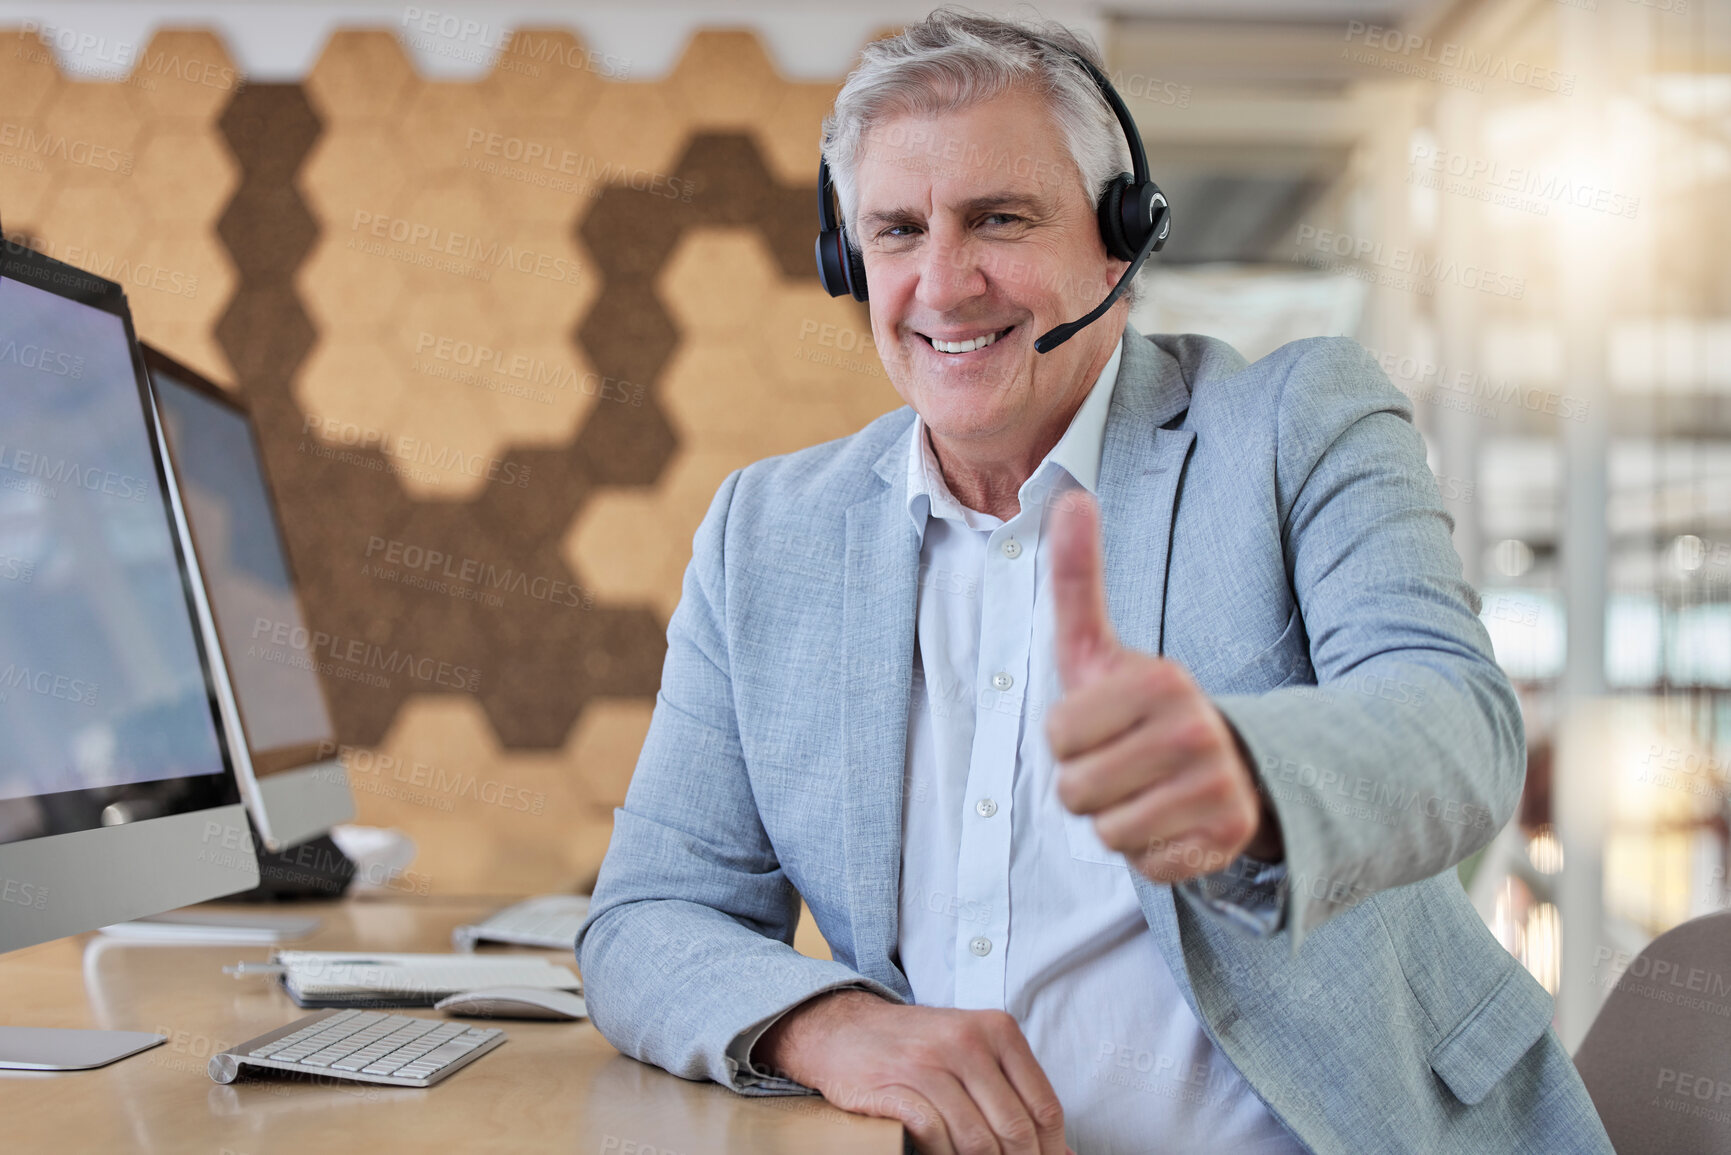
(1409, 753)
(687, 951)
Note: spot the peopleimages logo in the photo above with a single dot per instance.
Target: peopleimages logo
(41, 358)
(1431, 379)
(466, 246)
(415, 451)
(359, 654)
(1419, 270)
(57, 471)
(48, 684)
(402, 556)
(71, 150)
(1515, 185)
(1447, 61)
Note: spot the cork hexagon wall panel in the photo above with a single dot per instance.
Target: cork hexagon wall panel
(503, 339)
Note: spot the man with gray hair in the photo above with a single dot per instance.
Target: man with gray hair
(1117, 707)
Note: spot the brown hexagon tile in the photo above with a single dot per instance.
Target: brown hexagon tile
(547, 279)
(632, 545)
(354, 175)
(437, 776)
(716, 391)
(717, 280)
(191, 342)
(618, 547)
(433, 124)
(446, 313)
(445, 439)
(724, 393)
(554, 178)
(351, 380)
(790, 134)
(542, 391)
(453, 213)
(92, 225)
(178, 275)
(820, 346)
(184, 174)
(351, 284)
(29, 77)
(185, 74)
(543, 72)
(606, 742)
(362, 74)
(631, 128)
(26, 182)
(93, 128)
(724, 79)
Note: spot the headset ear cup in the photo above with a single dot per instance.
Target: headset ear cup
(840, 270)
(1112, 218)
(856, 278)
(1143, 210)
(829, 270)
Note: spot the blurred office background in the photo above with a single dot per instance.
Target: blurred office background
(512, 287)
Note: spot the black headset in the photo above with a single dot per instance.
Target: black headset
(1134, 219)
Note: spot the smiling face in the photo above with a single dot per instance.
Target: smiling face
(978, 237)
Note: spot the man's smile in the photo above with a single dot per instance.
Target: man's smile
(960, 344)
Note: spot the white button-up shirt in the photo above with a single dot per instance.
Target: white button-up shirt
(1008, 900)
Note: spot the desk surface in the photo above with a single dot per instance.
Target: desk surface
(552, 1086)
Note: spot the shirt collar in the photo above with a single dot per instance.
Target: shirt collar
(1077, 453)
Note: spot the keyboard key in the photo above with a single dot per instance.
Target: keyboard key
(444, 1054)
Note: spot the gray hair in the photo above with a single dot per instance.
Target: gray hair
(955, 59)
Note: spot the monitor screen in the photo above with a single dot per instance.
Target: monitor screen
(246, 573)
(105, 705)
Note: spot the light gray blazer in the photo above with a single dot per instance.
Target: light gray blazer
(1272, 527)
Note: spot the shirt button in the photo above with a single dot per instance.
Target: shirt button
(981, 946)
(1002, 681)
(1012, 548)
(985, 808)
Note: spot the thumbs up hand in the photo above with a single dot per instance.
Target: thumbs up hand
(1137, 743)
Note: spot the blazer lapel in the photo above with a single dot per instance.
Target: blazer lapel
(1141, 466)
(879, 604)
(1141, 471)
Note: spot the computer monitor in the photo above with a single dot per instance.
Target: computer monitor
(274, 711)
(117, 797)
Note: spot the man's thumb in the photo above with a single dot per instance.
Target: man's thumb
(1083, 632)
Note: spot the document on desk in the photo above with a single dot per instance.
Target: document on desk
(371, 979)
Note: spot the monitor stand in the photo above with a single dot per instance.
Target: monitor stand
(65, 1049)
(314, 869)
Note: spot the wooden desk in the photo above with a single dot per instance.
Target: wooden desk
(553, 1086)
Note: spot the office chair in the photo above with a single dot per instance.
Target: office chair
(1657, 1061)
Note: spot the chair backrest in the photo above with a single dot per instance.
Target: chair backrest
(1657, 1061)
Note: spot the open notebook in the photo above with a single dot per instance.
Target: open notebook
(372, 979)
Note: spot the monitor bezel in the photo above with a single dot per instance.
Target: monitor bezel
(267, 763)
(150, 864)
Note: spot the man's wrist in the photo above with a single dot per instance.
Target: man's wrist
(1267, 844)
(782, 1049)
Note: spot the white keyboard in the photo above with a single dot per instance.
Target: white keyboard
(550, 920)
(366, 1046)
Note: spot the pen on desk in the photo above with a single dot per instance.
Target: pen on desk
(242, 970)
